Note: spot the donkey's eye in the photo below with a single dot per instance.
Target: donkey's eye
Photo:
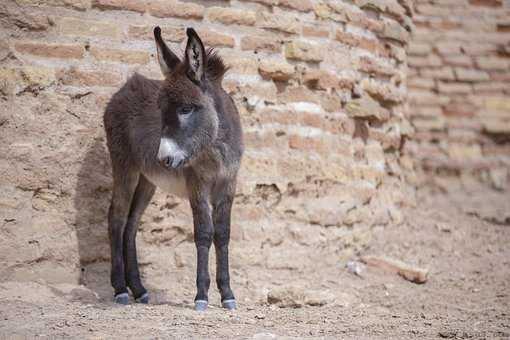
(186, 109)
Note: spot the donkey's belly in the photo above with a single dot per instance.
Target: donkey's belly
(168, 181)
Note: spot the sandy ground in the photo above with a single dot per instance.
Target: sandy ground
(461, 237)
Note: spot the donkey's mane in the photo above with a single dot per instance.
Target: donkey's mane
(216, 68)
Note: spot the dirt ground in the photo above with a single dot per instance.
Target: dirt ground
(461, 236)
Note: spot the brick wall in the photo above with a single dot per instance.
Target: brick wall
(459, 86)
(320, 86)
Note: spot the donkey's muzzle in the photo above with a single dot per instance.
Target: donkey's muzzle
(170, 154)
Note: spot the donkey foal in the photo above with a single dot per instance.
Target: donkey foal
(182, 134)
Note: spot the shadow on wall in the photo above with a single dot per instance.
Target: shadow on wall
(91, 201)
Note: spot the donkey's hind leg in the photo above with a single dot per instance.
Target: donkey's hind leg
(143, 194)
(124, 185)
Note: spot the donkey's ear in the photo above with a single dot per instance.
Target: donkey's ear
(167, 60)
(195, 56)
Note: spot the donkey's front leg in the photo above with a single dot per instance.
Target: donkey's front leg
(123, 189)
(203, 235)
(222, 207)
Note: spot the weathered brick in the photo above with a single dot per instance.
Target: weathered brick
(215, 39)
(326, 11)
(241, 65)
(429, 61)
(173, 8)
(169, 33)
(14, 16)
(276, 69)
(460, 60)
(74, 4)
(442, 73)
(78, 77)
(258, 43)
(78, 27)
(493, 63)
(421, 83)
(498, 104)
(479, 48)
(305, 51)
(424, 97)
(448, 48)
(419, 49)
(371, 45)
(394, 30)
(321, 79)
(8, 81)
(366, 107)
(62, 51)
(33, 78)
(454, 88)
(265, 2)
(279, 22)
(435, 123)
(387, 6)
(460, 109)
(491, 87)
(375, 67)
(426, 111)
(298, 94)
(121, 56)
(315, 31)
(300, 5)
(258, 140)
(307, 143)
(466, 74)
(230, 16)
(128, 5)
(495, 125)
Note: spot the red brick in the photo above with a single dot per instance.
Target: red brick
(486, 3)
(62, 51)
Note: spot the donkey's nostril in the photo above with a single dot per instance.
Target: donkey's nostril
(167, 161)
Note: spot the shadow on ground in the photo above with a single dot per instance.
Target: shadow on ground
(91, 201)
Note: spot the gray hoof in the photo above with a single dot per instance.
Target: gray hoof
(229, 304)
(121, 299)
(201, 305)
(143, 299)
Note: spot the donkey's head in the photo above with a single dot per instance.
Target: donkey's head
(187, 100)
